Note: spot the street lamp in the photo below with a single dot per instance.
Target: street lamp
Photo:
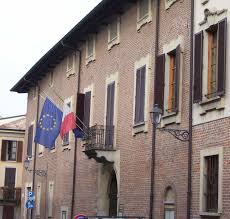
(156, 115)
(182, 135)
(37, 172)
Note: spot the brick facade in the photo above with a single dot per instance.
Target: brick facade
(132, 159)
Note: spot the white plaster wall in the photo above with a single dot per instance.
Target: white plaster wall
(212, 5)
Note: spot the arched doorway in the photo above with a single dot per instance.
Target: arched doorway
(113, 195)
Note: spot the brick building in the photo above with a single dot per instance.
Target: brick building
(107, 70)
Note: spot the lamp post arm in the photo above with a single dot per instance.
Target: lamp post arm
(182, 135)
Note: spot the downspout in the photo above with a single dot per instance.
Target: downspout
(152, 169)
(75, 145)
(189, 192)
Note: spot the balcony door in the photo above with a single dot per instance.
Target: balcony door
(10, 177)
(110, 115)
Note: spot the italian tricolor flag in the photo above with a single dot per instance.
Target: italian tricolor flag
(68, 121)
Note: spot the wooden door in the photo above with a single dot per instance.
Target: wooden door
(8, 212)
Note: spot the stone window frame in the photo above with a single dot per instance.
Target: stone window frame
(72, 70)
(110, 79)
(172, 117)
(215, 103)
(170, 205)
(147, 18)
(33, 143)
(51, 79)
(64, 208)
(67, 146)
(205, 153)
(50, 202)
(169, 3)
(90, 57)
(38, 199)
(116, 40)
(143, 61)
(91, 88)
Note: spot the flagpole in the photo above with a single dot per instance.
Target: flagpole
(35, 146)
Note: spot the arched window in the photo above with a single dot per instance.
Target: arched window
(169, 204)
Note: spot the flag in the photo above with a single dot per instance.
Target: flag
(49, 124)
(78, 133)
(68, 121)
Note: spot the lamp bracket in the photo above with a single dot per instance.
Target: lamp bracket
(38, 172)
(182, 135)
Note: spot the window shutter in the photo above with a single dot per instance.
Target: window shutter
(142, 94)
(222, 43)
(19, 151)
(137, 98)
(87, 108)
(159, 81)
(177, 80)
(80, 109)
(30, 141)
(198, 67)
(3, 152)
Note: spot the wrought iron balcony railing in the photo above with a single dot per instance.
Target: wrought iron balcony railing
(99, 137)
(10, 195)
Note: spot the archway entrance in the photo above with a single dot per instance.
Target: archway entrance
(113, 195)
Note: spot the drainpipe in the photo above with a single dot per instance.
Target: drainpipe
(152, 169)
(75, 145)
(189, 192)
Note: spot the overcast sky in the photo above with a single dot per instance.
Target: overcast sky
(28, 29)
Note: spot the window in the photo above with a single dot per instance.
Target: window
(212, 61)
(70, 62)
(144, 14)
(172, 82)
(51, 83)
(211, 183)
(114, 33)
(211, 180)
(38, 199)
(64, 215)
(216, 38)
(11, 150)
(109, 132)
(167, 83)
(87, 106)
(143, 8)
(90, 49)
(30, 141)
(140, 95)
(50, 199)
(64, 212)
(169, 204)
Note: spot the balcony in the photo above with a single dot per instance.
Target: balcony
(99, 143)
(10, 196)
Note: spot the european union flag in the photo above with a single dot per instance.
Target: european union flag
(49, 124)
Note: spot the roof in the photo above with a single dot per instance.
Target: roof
(89, 24)
(15, 123)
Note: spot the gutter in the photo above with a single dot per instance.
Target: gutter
(189, 192)
(152, 169)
